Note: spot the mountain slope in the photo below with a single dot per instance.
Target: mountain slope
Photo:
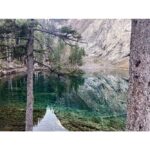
(107, 40)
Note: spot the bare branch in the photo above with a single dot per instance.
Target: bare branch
(57, 33)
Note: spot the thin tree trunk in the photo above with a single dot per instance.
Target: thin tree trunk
(138, 105)
(30, 67)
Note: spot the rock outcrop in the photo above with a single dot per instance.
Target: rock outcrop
(107, 40)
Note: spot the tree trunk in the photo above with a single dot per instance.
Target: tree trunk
(138, 105)
(30, 67)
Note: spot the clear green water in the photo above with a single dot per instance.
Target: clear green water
(95, 102)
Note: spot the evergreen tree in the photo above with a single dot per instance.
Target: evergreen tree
(18, 40)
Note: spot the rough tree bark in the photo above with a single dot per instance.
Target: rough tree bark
(138, 105)
(30, 67)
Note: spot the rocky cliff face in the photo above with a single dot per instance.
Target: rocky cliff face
(107, 40)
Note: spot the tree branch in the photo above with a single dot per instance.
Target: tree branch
(64, 36)
(51, 69)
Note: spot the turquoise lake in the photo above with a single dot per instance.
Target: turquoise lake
(86, 102)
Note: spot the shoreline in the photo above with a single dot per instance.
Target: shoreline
(6, 72)
(89, 69)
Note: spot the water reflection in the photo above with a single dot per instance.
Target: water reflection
(49, 122)
(79, 102)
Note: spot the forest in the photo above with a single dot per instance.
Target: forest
(74, 75)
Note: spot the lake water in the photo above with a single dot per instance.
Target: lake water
(88, 102)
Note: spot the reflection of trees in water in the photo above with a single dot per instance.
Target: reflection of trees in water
(71, 91)
(13, 88)
(57, 86)
(96, 94)
(75, 82)
(51, 86)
